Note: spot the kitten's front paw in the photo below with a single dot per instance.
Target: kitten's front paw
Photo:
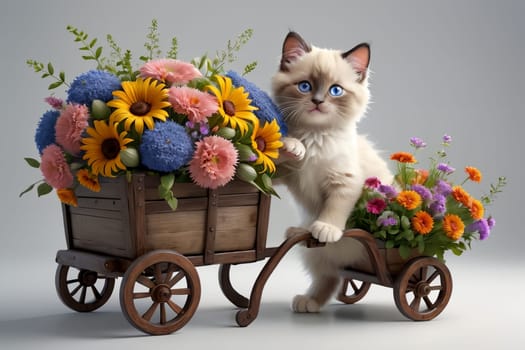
(305, 304)
(325, 232)
(293, 148)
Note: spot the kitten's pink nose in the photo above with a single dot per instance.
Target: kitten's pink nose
(317, 101)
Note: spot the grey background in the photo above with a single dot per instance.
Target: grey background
(438, 67)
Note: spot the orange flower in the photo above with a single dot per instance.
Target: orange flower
(461, 196)
(421, 176)
(453, 226)
(67, 196)
(476, 209)
(473, 173)
(403, 157)
(409, 199)
(88, 180)
(422, 222)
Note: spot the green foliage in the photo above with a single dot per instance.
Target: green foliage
(48, 71)
(249, 67)
(166, 183)
(92, 52)
(174, 49)
(152, 43)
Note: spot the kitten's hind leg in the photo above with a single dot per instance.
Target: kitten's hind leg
(320, 292)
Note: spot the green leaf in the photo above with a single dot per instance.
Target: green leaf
(98, 52)
(92, 43)
(167, 181)
(50, 68)
(390, 244)
(173, 203)
(32, 162)
(43, 189)
(405, 222)
(62, 76)
(54, 85)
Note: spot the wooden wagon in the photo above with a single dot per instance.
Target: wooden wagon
(126, 230)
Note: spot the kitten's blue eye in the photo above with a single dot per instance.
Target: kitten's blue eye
(336, 90)
(304, 86)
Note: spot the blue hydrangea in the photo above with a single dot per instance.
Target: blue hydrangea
(166, 148)
(268, 111)
(94, 84)
(45, 131)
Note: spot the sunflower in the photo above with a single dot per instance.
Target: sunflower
(103, 148)
(453, 226)
(88, 180)
(422, 222)
(266, 142)
(138, 103)
(67, 196)
(235, 107)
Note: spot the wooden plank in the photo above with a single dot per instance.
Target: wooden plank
(99, 203)
(110, 214)
(103, 264)
(184, 204)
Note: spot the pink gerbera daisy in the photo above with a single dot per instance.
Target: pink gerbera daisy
(170, 71)
(54, 167)
(197, 105)
(70, 125)
(213, 163)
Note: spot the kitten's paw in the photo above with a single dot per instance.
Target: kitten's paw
(293, 148)
(305, 304)
(325, 232)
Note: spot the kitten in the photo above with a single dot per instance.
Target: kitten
(323, 93)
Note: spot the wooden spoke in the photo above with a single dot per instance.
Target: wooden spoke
(436, 287)
(83, 295)
(428, 302)
(433, 276)
(96, 293)
(180, 291)
(176, 308)
(141, 295)
(169, 273)
(145, 281)
(75, 291)
(158, 273)
(357, 292)
(149, 314)
(162, 313)
(176, 279)
(414, 305)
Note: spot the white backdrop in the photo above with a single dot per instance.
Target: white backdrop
(438, 67)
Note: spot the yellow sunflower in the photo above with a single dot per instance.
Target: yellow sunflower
(235, 107)
(103, 148)
(138, 103)
(266, 142)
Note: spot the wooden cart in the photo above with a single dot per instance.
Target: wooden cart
(127, 231)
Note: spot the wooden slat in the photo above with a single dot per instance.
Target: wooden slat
(110, 214)
(184, 204)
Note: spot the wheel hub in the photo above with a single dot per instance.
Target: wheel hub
(422, 289)
(87, 278)
(161, 293)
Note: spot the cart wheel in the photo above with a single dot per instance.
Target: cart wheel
(160, 292)
(227, 288)
(423, 288)
(82, 290)
(359, 291)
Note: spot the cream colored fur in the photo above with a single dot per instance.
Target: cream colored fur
(328, 161)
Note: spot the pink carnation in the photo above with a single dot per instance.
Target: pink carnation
(54, 167)
(170, 71)
(375, 206)
(372, 182)
(213, 162)
(197, 105)
(70, 126)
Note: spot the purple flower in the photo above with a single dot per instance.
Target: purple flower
(375, 206)
(386, 219)
(437, 206)
(417, 143)
(389, 191)
(482, 227)
(491, 222)
(443, 187)
(422, 191)
(447, 139)
(372, 182)
(445, 168)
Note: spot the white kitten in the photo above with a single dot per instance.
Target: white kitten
(323, 94)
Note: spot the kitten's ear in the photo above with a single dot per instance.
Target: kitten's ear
(359, 58)
(293, 47)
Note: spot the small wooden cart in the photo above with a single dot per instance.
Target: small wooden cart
(127, 231)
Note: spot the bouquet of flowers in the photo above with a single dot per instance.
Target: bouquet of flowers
(424, 209)
(186, 121)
